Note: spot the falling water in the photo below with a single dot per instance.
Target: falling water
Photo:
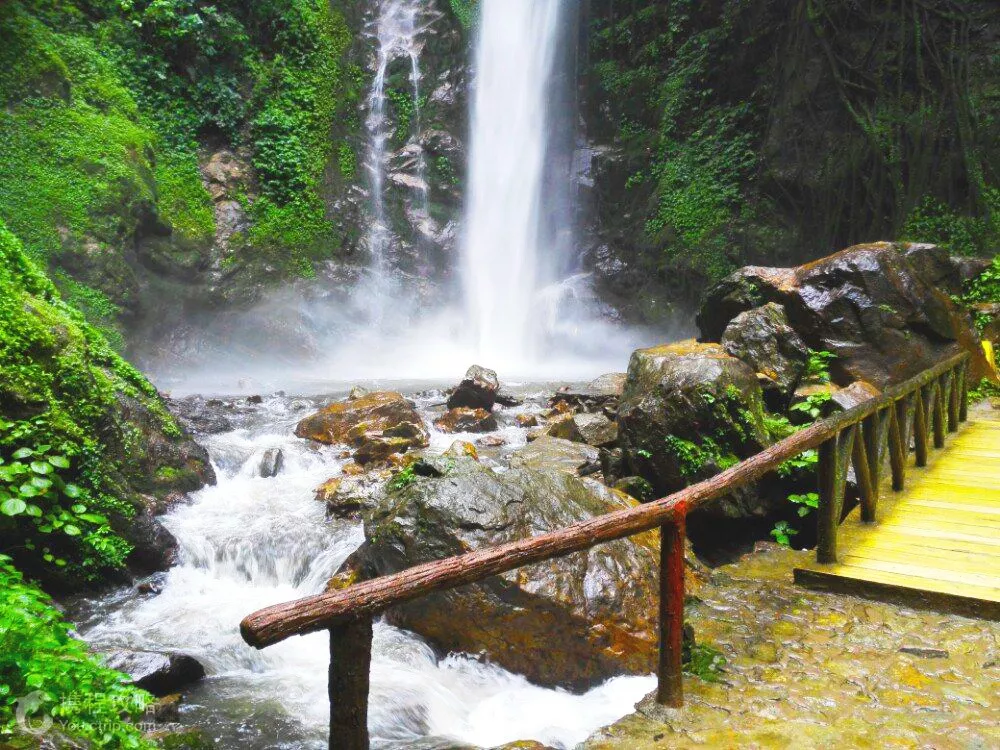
(510, 136)
(397, 33)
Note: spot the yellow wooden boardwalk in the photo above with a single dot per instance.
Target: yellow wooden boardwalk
(935, 544)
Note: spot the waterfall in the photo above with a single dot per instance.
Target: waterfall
(502, 270)
(397, 31)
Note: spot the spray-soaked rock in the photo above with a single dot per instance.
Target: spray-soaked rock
(160, 674)
(571, 622)
(377, 425)
(466, 420)
(592, 429)
(271, 463)
(549, 453)
(478, 390)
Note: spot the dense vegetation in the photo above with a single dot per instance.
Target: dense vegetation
(110, 104)
(778, 132)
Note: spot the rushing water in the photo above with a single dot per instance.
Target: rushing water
(510, 138)
(249, 542)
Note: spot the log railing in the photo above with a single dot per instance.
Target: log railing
(863, 435)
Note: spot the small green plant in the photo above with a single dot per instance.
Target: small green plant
(643, 453)
(783, 533)
(807, 502)
(818, 366)
(812, 405)
(778, 427)
(984, 390)
(403, 479)
(703, 661)
(805, 461)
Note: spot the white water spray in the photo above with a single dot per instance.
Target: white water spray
(510, 136)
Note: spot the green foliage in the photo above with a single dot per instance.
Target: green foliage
(778, 427)
(961, 233)
(783, 533)
(59, 385)
(703, 661)
(54, 675)
(693, 458)
(818, 366)
(984, 390)
(403, 479)
(986, 286)
(466, 11)
(807, 502)
(800, 464)
(812, 405)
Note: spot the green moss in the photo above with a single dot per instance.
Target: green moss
(466, 11)
(60, 382)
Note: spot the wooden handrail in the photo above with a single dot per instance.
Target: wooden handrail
(864, 434)
(274, 624)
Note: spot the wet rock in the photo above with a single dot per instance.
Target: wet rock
(160, 674)
(478, 390)
(462, 449)
(166, 709)
(377, 425)
(549, 453)
(492, 441)
(463, 419)
(593, 429)
(200, 416)
(154, 548)
(347, 497)
(255, 400)
(868, 305)
(688, 411)
(946, 272)
(599, 617)
(925, 653)
(764, 340)
(854, 395)
(357, 392)
(636, 487)
(600, 393)
(271, 463)
(526, 420)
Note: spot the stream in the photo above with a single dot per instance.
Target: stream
(249, 542)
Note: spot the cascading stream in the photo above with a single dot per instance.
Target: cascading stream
(249, 542)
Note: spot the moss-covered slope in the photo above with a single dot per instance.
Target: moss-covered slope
(83, 435)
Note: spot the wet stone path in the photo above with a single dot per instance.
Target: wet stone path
(812, 670)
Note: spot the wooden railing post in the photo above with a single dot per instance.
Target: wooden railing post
(938, 415)
(670, 689)
(873, 434)
(899, 441)
(923, 397)
(834, 455)
(350, 669)
(954, 394)
(862, 471)
(963, 398)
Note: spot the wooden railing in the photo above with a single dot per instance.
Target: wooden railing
(937, 399)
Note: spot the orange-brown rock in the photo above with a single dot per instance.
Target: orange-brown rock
(526, 420)
(463, 419)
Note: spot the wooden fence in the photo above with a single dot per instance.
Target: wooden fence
(936, 399)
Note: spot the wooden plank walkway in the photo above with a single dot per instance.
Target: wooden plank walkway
(936, 544)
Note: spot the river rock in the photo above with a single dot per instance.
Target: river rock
(160, 674)
(377, 425)
(854, 395)
(571, 622)
(764, 340)
(271, 463)
(463, 419)
(154, 548)
(689, 410)
(526, 420)
(869, 305)
(478, 390)
(549, 453)
(602, 392)
(593, 429)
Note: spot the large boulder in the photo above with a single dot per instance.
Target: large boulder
(479, 389)
(378, 425)
(592, 429)
(688, 411)
(763, 339)
(870, 305)
(556, 454)
(601, 393)
(570, 622)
